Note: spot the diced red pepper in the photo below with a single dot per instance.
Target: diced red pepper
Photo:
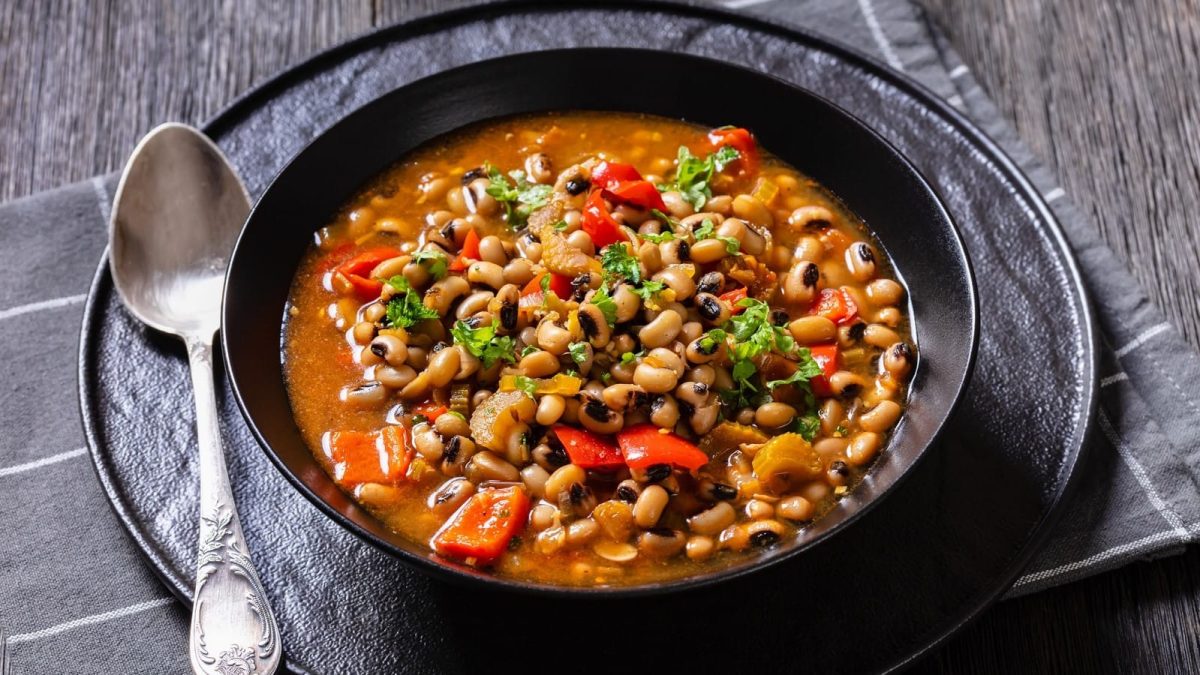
(357, 271)
(645, 445)
(430, 409)
(334, 257)
(599, 223)
(479, 532)
(826, 356)
(468, 252)
(374, 457)
(587, 450)
(734, 297)
(639, 193)
(739, 139)
(836, 305)
(608, 173)
(559, 283)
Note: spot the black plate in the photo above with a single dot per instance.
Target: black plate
(950, 540)
(839, 152)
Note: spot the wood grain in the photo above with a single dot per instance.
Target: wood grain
(1105, 91)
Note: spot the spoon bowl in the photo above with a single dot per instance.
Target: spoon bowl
(180, 212)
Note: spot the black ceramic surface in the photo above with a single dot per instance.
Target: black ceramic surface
(947, 541)
(803, 129)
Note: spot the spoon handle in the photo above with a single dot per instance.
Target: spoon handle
(233, 629)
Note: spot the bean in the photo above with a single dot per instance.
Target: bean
(712, 309)
(757, 509)
(664, 411)
(379, 496)
(863, 448)
(880, 418)
(811, 330)
(704, 418)
(747, 207)
(679, 279)
(473, 304)
(650, 256)
(363, 332)
(883, 292)
(831, 413)
(443, 293)
(676, 205)
(535, 478)
(722, 204)
(661, 542)
(860, 260)
(734, 538)
(582, 531)
(479, 397)
(450, 496)
(538, 168)
(374, 312)
(774, 415)
(563, 478)
(880, 336)
(662, 330)
(553, 338)
(456, 200)
(712, 520)
(816, 491)
(898, 360)
(795, 508)
(708, 251)
(745, 416)
(451, 424)
(417, 388)
(888, 316)
(649, 506)
(551, 540)
(538, 364)
(810, 249)
(366, 395)
(518, 271)
(442, 367)
(800, 284)
(427, 442)
(582, 241)
(846, 383)
(700, 548)
(594, 325)
(389, 348)
(485, 466)
(417, 357)
(550, 409)
(656, 380)
(394, 377)
(811, 217)
(486, 273)
(596, 416)
(764, 533)
(628, 303)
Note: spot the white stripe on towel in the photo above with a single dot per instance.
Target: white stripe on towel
(90, 620)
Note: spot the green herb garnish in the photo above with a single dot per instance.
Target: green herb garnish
(519, 198)
(618, 262)
(658, 238)
(434, 261)
(405, 309)
(526, 384)
(607, 305)
(483, 343)
(732, 245)
(693, 176)
(649, 289)
(705, 230)
(807, 426)
(578, 351)
(529, 349)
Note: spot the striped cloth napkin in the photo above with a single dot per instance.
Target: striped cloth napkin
(76, 592)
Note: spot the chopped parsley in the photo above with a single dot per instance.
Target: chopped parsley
(578, 351)
(434, 261)
(710, 341)
(658, 238)
(519, 198)
(630, 357)
(617, 261)
(545, 284)
(483, 343)
(806, 370)
(667, 221)
(705, 230)
(693, 176)
(649, 289)
(732, 245)
(405, 309)
(807, 426)
(561, 226)
(753, 335)
(526, 384)
(607, 305)
(529, 349)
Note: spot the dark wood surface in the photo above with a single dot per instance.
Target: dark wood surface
(1106, 91)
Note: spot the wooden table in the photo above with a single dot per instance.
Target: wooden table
(1107, 92)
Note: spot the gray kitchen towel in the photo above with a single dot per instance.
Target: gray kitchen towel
(76, 597)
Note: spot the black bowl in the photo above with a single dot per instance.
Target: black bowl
(809, 132)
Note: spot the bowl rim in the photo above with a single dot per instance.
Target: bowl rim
(453, 571)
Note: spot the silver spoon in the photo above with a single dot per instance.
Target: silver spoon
(176, 216)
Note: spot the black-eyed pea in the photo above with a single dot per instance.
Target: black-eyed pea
(757, 509)
(450, 496)
(712, 520)
(795, 508)
(800, 284)
(386, 348)
(765, 533)
(812, 330)
(898, 360)
(661, 542)
(888, 316)
(811, 217)
(676, 205)
(650, 256)
(427, 442)
(486, 273)
(831, 448)
(707, 251)
(540, 363)
(597, 417)
(473, 304)
(649, 506)
(655, 379)
(749, 208)
(582, 531)
(442, 368)
(860, 260)
(452, 424)
(553, 338)
(884, 292)
(863, 448)
(485, 465)
(538, 168)
(363, 332)
(550, 409)
(880, 336)
(477, 199)
(846, 384)
(733, 538)
(774, 415)
(518, 271)
(700, 547)
(394, 377)
(417, 388)
(810, 249)
(582, 241)
(368, 395)
(880, 418)
(679, 279)
(543, 516)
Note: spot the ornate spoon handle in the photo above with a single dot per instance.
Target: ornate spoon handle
(233, 629)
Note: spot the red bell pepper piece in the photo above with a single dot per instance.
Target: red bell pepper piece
(357, 271)
(374, 457)
(607, 174)
(739, 139)
(826, 356)
(599, 223)
(836, 305)
(532, 295)
(430, 410)
(644, 445)
(639, 193)
(587, 450)
(734, 297)
(468, 252)
(479, 532)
